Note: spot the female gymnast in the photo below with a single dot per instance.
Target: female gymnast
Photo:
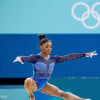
(43, 65)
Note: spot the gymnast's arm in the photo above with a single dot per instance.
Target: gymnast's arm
(74, 56)
(23, 59)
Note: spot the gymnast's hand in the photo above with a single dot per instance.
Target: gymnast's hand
(91, 54)
(18, 59)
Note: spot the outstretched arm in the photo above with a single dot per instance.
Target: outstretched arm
(60, 59)
(23, 59)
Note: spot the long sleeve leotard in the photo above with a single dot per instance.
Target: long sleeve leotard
(43, 68)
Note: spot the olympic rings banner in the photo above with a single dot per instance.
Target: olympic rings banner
(49, 16)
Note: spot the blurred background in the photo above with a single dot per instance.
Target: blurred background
(20, 23)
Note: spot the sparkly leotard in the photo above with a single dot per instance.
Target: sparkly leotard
(43, 68)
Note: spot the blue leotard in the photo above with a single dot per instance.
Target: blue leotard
(43, 68)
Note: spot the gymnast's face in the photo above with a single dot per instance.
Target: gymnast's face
(46, 48)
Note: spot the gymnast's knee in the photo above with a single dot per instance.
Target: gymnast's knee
(29, 84)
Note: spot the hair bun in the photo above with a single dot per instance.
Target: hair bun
(42, 36)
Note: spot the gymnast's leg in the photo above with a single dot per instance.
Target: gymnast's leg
(30, 86)
(54, 91)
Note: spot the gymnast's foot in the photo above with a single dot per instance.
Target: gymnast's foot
(74, 97)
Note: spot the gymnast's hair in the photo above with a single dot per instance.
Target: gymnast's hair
(43, 39)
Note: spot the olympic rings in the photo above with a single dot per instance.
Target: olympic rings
(87, 13)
